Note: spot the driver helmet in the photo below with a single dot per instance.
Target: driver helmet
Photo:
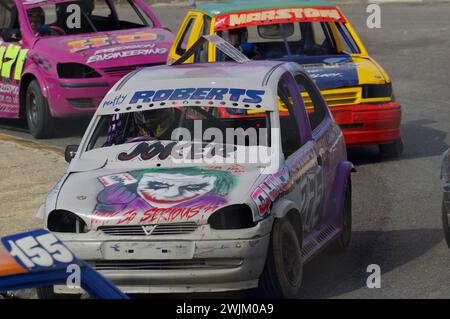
(238, 36)
(154, 122)
(36, 16)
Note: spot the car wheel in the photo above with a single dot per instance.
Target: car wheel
(445, 224)
(48, 293)
(283, 272)
(39, 119)
(394, 149)
(343, 241)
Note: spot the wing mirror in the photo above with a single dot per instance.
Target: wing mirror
(70, 152)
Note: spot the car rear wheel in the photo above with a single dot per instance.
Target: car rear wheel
(445, 224)
(40, 121)
(343, 241)
(283, 272)
(394, 149)
(48, 293)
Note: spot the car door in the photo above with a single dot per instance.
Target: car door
(12, 60)
(325, 132)
(299, 150)
(189, 32)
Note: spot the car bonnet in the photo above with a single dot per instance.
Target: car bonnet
(115, 197)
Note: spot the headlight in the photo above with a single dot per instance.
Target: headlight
(76, 71)
(232, 217)
(62, 221)
(370, 91)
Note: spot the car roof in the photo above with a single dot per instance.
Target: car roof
(254, 75)
(214, 9)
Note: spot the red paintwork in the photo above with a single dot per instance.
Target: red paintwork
(380, 123)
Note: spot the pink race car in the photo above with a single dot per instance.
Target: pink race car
(59, 58)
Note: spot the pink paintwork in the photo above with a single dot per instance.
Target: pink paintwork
(112, 54)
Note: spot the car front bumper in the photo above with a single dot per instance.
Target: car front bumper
(222, 261)
(369, 124)
(77, 97)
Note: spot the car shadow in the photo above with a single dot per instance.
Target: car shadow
(332, 274)
(420, 141)
(64, 127)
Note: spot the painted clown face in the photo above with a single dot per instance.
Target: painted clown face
(167, 190)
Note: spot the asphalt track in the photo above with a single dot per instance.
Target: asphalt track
(396, 203)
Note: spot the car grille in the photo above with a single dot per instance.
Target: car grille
(150, 230)
(166, 264)
(121, 71)
(82, 103)
(337, 97)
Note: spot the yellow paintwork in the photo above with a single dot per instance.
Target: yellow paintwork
(369, 71)
(195, 34)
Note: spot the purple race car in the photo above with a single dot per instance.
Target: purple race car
(58, 58)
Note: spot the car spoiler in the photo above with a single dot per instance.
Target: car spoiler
(221, 44)
(38, 259)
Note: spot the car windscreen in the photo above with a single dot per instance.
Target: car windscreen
(86, 16)
(283, 40)
(190, 124)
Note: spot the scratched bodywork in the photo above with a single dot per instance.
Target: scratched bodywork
(150, 223)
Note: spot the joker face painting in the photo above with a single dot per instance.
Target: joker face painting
(164, 188)
(167, 190)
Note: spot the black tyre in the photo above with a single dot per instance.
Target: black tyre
(343, 241)
(48, 293)
(39, 119)
(394, 149)
(445, 224)
(283, 272)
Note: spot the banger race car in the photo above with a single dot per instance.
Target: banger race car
(157, 201)
(58, 58)
(317, 35)
(37, 258)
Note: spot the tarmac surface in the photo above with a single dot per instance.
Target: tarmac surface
(396, 203)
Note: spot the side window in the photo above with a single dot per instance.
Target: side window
(133, 15)
(290, 134)
(104, 10)
(183, 42)
(313, 101)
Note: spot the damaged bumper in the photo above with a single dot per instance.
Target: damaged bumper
(205, 261)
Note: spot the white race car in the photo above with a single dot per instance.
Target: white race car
(158, 198)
